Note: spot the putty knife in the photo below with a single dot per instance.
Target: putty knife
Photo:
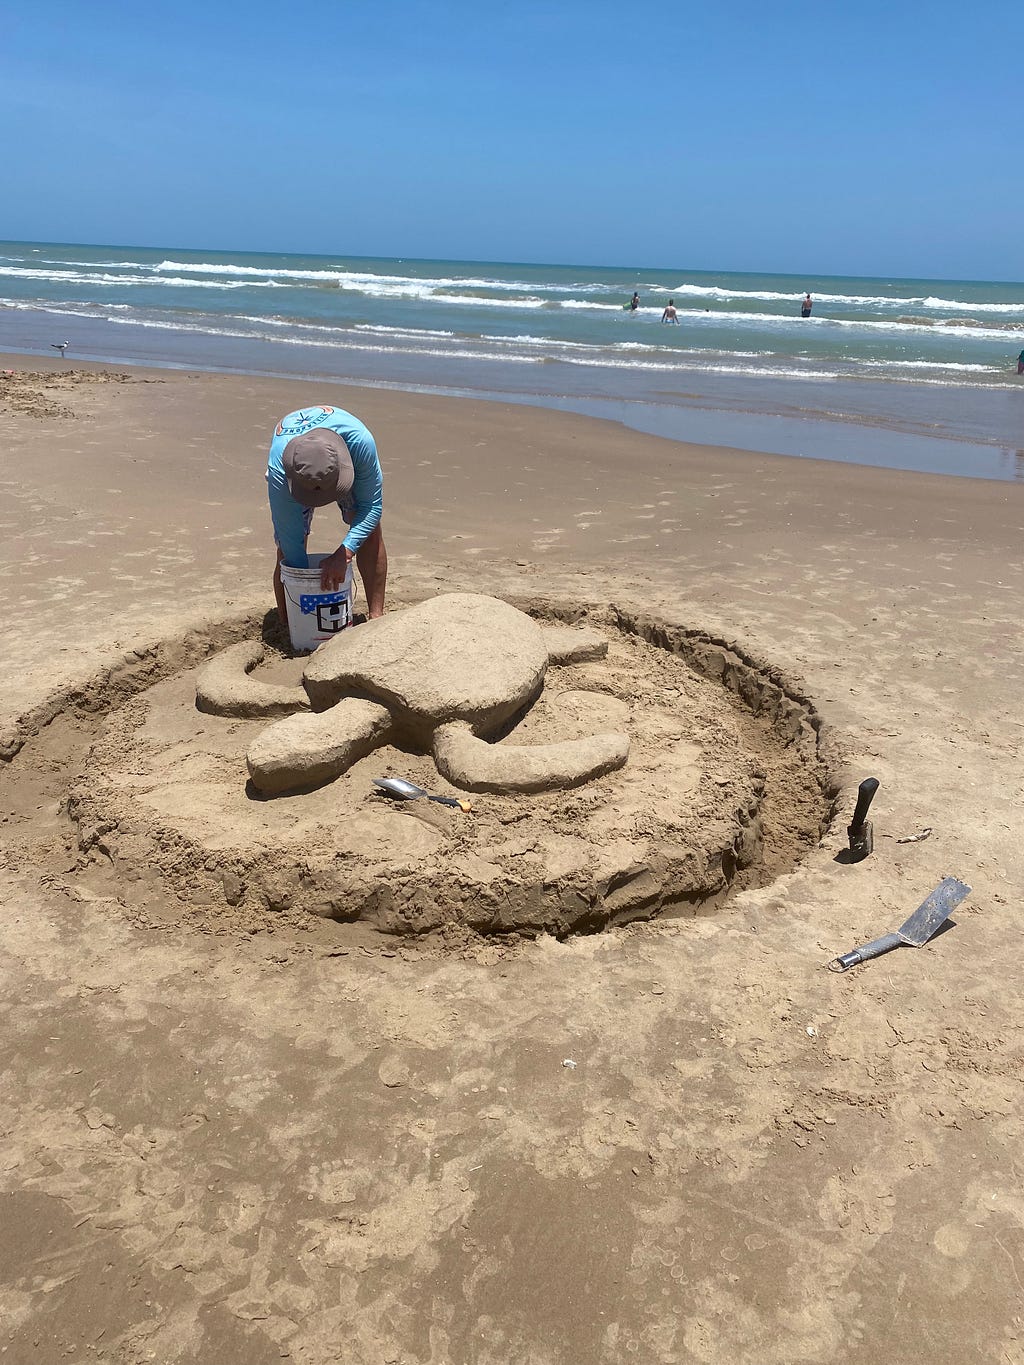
(408, 791)
(926, 921)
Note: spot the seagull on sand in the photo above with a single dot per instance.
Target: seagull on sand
(61, 346)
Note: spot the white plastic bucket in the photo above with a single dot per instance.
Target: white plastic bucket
(314, 615)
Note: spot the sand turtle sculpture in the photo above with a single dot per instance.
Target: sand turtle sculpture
(444, 678)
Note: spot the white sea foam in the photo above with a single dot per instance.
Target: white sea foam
(78, 277)
(63, 309)
(951, 366)
(475, 302)
(685, 363)
(300, 325)
(88, 265)
(898, 302)
(371, 282)
(778, 321)
(552, 343)
(401, 331)
(357, 329)
(597, 348)
(802, 326)
(594, 303)
(966, 306)
(719, 362)
(780, 372)
(234, 333)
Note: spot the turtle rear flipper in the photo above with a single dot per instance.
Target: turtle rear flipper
(476, 766)
(224, 686)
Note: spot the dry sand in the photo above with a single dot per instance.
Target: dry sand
(286, 1138)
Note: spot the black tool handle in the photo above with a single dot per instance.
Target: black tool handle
(875, 948)
(464, 806)
(865, 795)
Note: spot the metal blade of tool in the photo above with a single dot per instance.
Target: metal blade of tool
(923, 924)
(398, 786)
(932, 913)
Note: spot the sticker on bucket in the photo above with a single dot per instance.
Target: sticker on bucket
(310, 602)
(333, 616)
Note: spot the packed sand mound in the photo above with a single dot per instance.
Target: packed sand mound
(41, 394)
(714, 797)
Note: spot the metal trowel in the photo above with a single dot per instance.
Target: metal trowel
(923, 924)
(408, 791)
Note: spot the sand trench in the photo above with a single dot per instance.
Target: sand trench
(123, 787)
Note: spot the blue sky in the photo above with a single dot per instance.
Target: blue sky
(869, 138)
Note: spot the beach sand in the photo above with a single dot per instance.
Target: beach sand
(247, 1142)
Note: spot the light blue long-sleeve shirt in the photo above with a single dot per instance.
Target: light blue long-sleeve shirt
(362, 507)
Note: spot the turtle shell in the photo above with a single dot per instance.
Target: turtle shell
(461, 656)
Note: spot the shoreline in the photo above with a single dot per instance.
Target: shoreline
(836, 438)
(889, 373)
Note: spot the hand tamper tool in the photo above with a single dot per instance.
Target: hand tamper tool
(860, 830)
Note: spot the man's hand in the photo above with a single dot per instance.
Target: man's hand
(334, 568)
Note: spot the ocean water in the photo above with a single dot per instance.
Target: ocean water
(917, 374)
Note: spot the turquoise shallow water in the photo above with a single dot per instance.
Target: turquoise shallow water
(932, 360)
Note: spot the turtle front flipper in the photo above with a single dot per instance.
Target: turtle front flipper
(308, 750)
(476, 766)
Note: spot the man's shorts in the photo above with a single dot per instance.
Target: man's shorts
(346, 506)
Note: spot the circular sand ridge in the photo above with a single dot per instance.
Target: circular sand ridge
(725, 788)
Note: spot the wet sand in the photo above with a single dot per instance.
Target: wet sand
(254, 1146)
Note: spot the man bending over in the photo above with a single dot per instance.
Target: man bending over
(321, 455)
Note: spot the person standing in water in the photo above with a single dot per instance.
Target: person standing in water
(634, 303)
(1020, 363)
(806, 306)
(669, 314)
